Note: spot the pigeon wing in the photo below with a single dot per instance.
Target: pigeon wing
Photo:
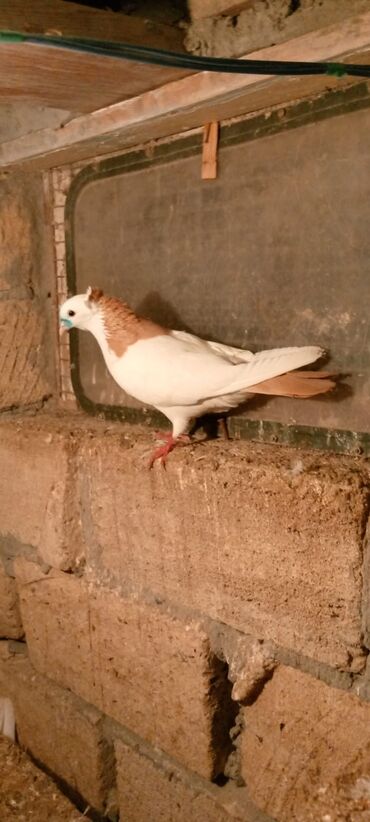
(169, 371)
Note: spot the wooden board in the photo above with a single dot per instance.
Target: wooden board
(73, 81)
(70, 19)
(193, 101)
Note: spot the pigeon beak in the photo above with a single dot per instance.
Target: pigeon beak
(65, 325)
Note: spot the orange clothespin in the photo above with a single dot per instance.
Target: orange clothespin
(209, 157)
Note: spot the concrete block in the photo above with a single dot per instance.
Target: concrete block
(59, 730)
(179, 796)
(17, 238)
(60, 250)
(61, 269)
(10, 618)
(239, 536)
(39, 510)
(22, 358)
(301, 736)
(148, 670)
(59, 234)
(59, 198)
(55, 613)
(59, 215)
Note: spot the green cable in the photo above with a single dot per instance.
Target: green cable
(12, 36)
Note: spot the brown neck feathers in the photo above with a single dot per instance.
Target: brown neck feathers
(122, 326)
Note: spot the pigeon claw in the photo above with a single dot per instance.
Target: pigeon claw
(168, 444)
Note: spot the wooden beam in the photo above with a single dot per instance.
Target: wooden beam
(70, 80)
(193, 101)
(74, 81)
(70, 19)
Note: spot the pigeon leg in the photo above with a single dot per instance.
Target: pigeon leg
(223, 428)
(161, 453)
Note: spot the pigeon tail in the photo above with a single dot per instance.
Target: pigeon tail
(301, 384)
(266, 365)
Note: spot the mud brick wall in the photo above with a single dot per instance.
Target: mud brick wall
(228, 28)
(190, 643)
(27, 323)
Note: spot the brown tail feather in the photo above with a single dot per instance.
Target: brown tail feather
(302, 384)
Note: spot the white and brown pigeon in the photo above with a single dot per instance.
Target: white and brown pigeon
(182, 375)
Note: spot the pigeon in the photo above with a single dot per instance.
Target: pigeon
(182, 375)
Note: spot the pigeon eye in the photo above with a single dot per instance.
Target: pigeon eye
(71, 313)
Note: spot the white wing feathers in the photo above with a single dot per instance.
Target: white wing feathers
(251, 369)
(227, 352)
(181, 370)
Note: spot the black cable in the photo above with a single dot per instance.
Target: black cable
(160, 57)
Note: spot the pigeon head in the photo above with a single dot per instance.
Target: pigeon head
(79, 311)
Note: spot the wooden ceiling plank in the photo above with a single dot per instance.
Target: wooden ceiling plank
(78, 82)
(70, 19)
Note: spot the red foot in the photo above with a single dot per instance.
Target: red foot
(164, 450)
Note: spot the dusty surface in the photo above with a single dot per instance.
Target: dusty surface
(345, 800)
(27, 794)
